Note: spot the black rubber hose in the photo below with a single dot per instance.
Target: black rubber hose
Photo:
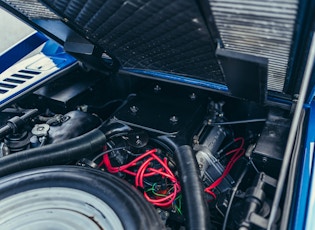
(195, 206)
(54, 154)
(16, 122)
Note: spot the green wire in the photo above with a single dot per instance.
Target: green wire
(152, 189)
(158, 194)
(179, 207)
(177, 199)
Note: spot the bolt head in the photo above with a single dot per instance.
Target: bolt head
(134, 109)
(193, 96)
(173, 119)
(157, 88)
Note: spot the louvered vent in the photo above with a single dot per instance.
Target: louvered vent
(261, 28)
(33, 9)
(18, 80)
(29, 74)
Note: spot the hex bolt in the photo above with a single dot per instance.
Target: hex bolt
(193, 96)
(173, 120)
(157, 88)
(272, 133)
(134, 109)
(264, 160)
(138, 141)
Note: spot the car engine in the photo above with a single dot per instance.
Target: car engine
(235, 146)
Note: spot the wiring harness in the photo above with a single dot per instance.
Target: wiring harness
(236, 153)
(145, 168)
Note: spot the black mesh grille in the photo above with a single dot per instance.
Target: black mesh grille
(161, 35)
(32, 9)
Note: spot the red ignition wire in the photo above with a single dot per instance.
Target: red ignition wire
(237, 154)
(145, 171)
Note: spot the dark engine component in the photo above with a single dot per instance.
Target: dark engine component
(152, 169)
(16, 137)
(270, 146)
(210, 167)
(148, 167)
(64, 127)
(65, 93)
(163, 110)
(17, 141)
(15, 123)
(175, 150)
(254, 208)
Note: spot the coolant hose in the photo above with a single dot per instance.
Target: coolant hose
(54, 154)
(61, 153)
(195, 209)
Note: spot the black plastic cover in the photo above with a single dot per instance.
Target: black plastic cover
(268, 153)
(245, 75)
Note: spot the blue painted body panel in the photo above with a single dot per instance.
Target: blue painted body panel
(51, 54)
(180, 79)
(29, 44)
(53, 50)
(303, 211)
(20, 50)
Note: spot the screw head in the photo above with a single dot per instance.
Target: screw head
(173, 119)
(134, 109)
(264, 160)
(193, 96)
(157, 88)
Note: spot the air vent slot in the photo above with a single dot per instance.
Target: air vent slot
(18, 80)
(8, 86)
(29, 72)
(21, 76)
(13, 81)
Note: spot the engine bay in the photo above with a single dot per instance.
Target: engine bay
(237, 145)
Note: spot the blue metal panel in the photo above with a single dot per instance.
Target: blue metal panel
(52, 48)
(20, 50)
(179, 79)
(311, 95)
(54, 60)
(304, 216)
(55, 51)
(310, 217)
